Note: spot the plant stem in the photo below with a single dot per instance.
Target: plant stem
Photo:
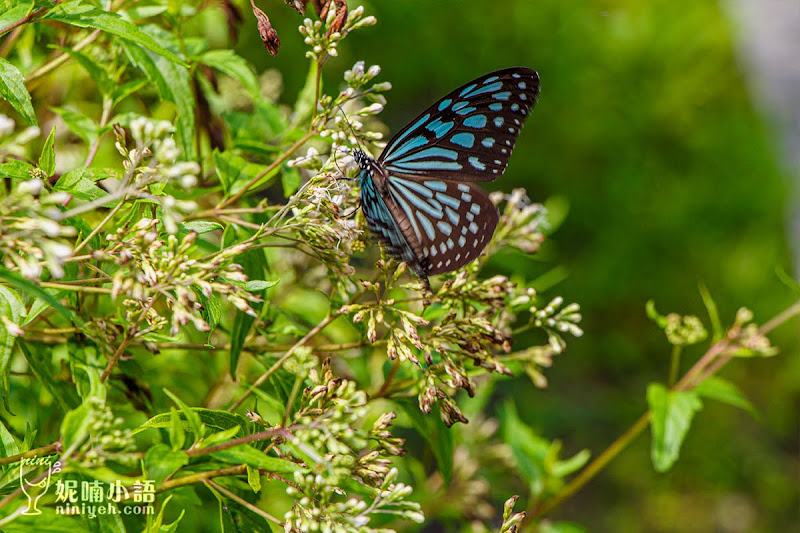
(36, 452)
(261, 435)
(243, 502)
(283, 157)
(61, 58)
(127, 340)
(591, 469)
(285, 357)
(708, 364)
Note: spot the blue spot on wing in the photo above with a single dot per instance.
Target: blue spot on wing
(475, 121)
(465, 140)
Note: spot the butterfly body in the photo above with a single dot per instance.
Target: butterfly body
(419, 196)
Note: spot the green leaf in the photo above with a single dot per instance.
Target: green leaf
(724, 391)
(75, 426)
(214, 420)
(79, 124)
(127, 89)
(438, 436)
(12, 88)
(234, 171)
(11, 307)
(573, 464)
(8, 443)
(14, 168)
(713, 314)
(15, 13)
(177, 434)
(220, 436)
(234, 66)
(87, 16)
(109, 522)
(172, 82)
(246, 454)
(290, 180)
(80, 183)
(307, 97)
(257, 285)
(254, 478)
(47, 161)
(201, 226)
(96, 72)
(62, 391)
(160, 462)
(529, 449)
(189, 414)
(671, 417)
(31, 289)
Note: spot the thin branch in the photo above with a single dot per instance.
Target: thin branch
(243, 502)
(283, 157)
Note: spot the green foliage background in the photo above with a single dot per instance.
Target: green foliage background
(647, 138)
(660, 175)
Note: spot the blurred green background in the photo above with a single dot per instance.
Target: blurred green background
(646, 140)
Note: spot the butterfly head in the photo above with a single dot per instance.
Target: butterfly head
(361, 158)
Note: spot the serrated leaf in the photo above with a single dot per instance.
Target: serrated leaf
(14, 168)
(15, 13)
(172, 82)
(235, 66)
(47, 161)
(246, 454)
(87, 16)
(80, 183)
(189, 414)
(12, 89)
(79, 124)
(724, 391)
(671, 417)
(213, 419)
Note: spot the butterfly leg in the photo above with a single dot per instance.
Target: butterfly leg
(352, 211)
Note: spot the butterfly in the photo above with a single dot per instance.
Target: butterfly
(420, 198)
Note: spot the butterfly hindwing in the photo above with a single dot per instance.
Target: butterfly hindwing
(448, 223)
(469, 134)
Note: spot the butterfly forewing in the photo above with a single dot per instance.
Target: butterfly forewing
(448, 224)
(469, 134)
